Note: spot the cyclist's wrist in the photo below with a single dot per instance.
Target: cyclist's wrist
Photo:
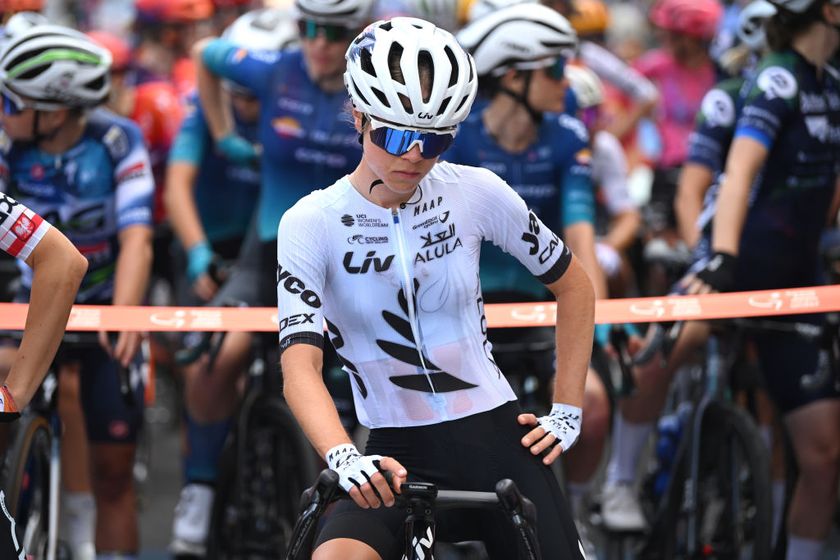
(336, 456)
(199, 257)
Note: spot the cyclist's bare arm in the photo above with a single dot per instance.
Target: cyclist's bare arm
(623, 229)
(131, 279)
(180, 203)
(574, 330)
(58, 269)
(695, 180)
(746, 157)
(580, 238)
(216, 109)
(313, 407)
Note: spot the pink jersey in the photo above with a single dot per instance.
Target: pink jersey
(20, 228)
(681, 92)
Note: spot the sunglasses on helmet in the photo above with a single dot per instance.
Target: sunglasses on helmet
(398, 141)
(309, 29)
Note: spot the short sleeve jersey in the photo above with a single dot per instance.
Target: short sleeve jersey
(795, 114)
(91, 192)
(20, 228)
(553, 177)
(400, 290)
(306, 135)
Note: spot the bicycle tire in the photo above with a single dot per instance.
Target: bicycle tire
(236, 531)
(26, 481)
(723, 528)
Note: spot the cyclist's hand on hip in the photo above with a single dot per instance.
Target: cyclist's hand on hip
(561, 427)
(237, 149)
(361, 476)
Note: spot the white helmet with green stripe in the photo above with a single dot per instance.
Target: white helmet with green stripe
(55, 67)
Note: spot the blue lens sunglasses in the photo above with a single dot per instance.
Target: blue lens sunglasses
(398, 141)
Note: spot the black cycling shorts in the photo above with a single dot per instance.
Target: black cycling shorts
(471, 453)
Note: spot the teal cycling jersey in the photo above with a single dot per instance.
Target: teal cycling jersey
(225, 192)
(91, 192)
(306, 135)
(553, 176)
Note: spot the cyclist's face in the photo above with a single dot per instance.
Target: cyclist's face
(324, 59)
(547, 94)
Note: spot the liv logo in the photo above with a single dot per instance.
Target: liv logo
(423, 546)
(370, 259)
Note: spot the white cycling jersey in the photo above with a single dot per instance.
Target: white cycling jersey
(615, 71)
(20, 228)
(400, 292)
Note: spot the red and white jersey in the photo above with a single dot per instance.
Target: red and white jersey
(20, 228)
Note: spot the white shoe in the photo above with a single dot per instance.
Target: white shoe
(621, 510)
(192, 520)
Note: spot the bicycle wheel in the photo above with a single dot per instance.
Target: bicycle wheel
(26, 482)
(732, 518)
(262, 475)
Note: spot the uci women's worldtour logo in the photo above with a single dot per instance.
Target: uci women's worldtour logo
(362, 220)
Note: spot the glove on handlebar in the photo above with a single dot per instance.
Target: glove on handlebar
(353, 468)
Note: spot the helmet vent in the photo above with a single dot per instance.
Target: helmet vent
(426, 65)
(461, 104)
(444, 104)
(96, 84)
(453, 63)
(359, 93)
(386, 26)
(381, 97)
(394, 56)
(367, 63)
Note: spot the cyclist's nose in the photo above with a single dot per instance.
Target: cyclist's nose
(413, 155)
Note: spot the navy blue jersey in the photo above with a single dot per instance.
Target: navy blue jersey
(307, 138)
(553, 177)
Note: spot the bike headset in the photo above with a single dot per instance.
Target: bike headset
(56, 68)
(523, 37)
(389, 66)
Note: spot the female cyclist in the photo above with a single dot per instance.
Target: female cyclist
(388, 255)
(775, 197)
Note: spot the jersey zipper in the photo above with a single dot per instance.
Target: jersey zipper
(408, 289)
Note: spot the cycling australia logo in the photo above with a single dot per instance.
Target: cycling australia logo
(360, 239)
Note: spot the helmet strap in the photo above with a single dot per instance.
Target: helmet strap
(522, 98)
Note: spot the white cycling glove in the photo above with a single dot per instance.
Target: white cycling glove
(563, 422)
(353, 468)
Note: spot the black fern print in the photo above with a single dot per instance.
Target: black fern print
(443, 382)
(338, 342)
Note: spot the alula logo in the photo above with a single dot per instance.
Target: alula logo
(370, 260)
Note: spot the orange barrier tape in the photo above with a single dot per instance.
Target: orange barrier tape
(640, 310)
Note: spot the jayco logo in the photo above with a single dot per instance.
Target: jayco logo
(294, 285)
(370, 259)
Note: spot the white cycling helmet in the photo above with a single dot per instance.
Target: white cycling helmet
(349, 13)
(524, 36)
(267, 29)
(587, 86)
(481, 8)
(56, 67)
(751, 23)
(384, 79)
(443, 13)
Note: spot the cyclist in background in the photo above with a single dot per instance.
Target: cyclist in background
(166, 31)
(228, 11)
(88, 173)
(211, 234)
(57, 270)
(617, 216)
(683, 72)
(779, 183)
(405, 311)
(522, 135)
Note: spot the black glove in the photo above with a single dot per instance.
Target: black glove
(719, 272)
